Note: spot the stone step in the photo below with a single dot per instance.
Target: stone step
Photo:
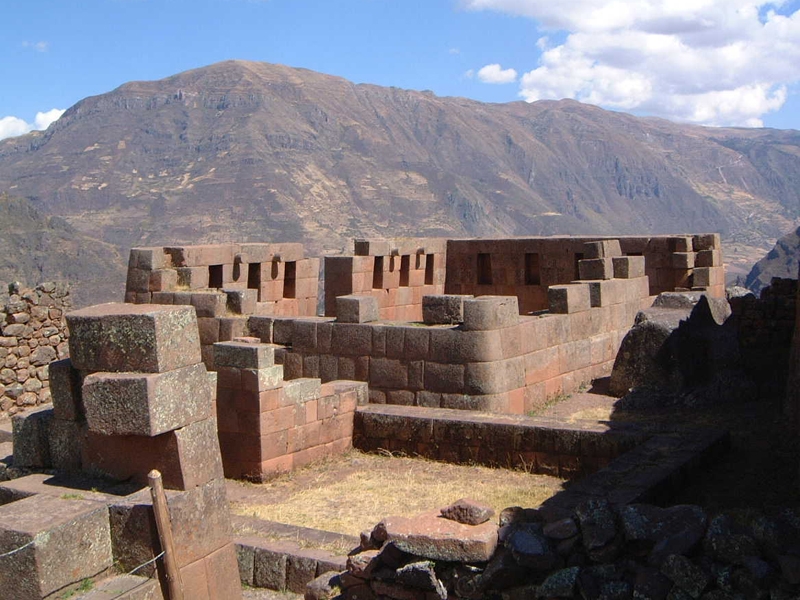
(49, 542)
(123, 587)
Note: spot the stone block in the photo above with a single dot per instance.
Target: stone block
(243, 355)
(232, 327)
(260, 380)
(150, 338)
(300, 390)
(209, 330)
(146, 404)
(682, 260)
(495, 377)
(202, 255)
(186, 457)
(269, 565)
(200, 520)
(193, 278)
(150, 259)
(241, 302)
(680, 244)
(490, 312)
(356, 309)
(708, 276)
(31, 431)
(445, 309)
(137, 280)
(629, 267)
(65, 388)
(444, 378)
(351, 339)
(706, 241)
(605, 293)
(69, 541)
(596, 268)
(430, 536)
(210, 304)
(708, 258)
(222, 574)
(601, 249)
(163, 280)
(388, 373)
(569, 298)
(66, 441)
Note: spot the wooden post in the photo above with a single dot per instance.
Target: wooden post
(174, 583)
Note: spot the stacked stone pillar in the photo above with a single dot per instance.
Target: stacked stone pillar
(139, 397)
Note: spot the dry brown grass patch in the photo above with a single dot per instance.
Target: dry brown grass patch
(354, 492)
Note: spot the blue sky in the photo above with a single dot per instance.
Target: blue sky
(715, 62)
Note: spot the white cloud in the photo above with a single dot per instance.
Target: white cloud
(716, 62)
(14, 126)
(496, 74)
(38, 46)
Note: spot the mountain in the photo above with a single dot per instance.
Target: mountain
(782, 261)
(36, 248)
(252, 151)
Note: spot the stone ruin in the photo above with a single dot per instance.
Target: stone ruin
(219, 365)
(33, 333)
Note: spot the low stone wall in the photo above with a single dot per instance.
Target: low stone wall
(494, 360)
(267, 425)
(537, 445)
(33, 333)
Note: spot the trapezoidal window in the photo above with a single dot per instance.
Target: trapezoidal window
(484, 269)
(215, 276)
(377, 273)
(578, 258)
(405, 270)
(532, 274)
(290, 280)
(429, 264)
(254, 276)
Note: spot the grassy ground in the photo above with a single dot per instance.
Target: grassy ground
(354, 492)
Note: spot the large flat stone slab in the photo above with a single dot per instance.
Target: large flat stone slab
(65, 540)
(151, 338)
(146, 404)
(431, 536)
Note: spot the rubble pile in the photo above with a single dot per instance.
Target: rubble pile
(599, 551)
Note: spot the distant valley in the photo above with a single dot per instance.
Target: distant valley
(248, 151)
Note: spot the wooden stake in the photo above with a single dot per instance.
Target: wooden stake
(174, 583)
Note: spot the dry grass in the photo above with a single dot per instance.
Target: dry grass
(354, 492)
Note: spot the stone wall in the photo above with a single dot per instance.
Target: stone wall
(225, 283)
(487, 356)
(527, 267)
(269, 426)
(766, 326)
(397, 272)
(33, 333)
(534, 444)
(792, 401)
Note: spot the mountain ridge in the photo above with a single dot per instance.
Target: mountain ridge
(253, 152)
